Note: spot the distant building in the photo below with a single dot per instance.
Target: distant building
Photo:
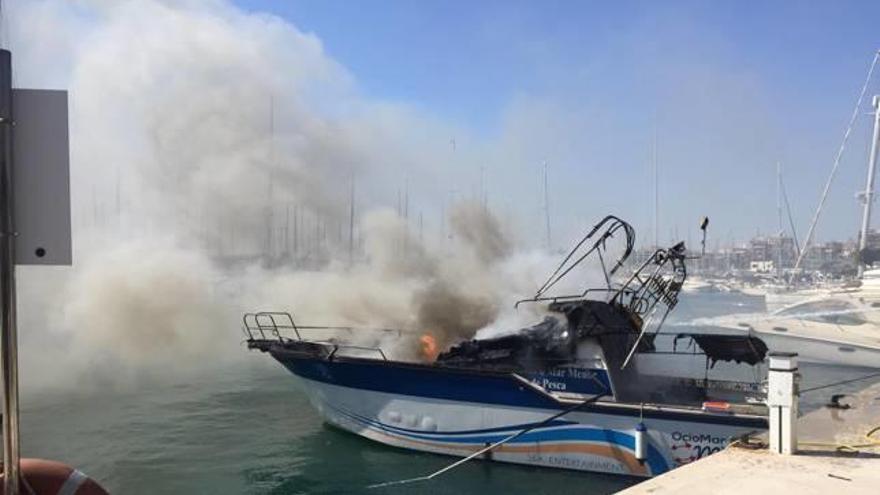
(766, 266)
(767, 257)
(778, 249)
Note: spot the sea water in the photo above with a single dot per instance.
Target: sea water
(250, 429)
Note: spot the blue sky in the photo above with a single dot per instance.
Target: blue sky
(730, 87)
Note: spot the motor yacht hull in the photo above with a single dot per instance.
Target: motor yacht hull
(813, 349)
(432, 409)
(567, 392)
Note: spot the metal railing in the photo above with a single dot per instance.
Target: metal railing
(280, 326)
(268, 321)
(563, 298)
(336, 348)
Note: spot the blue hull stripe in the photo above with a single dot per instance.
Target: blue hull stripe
(419, 382)
(505, 430)
(568, 433)
(464, 386)
(489, 435)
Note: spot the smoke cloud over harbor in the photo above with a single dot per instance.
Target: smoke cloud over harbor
(229, 155)
(217, 157)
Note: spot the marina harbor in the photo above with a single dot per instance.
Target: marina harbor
(325, 247)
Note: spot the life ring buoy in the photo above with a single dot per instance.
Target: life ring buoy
(42, 477)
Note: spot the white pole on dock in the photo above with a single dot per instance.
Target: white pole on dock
(782, 400)
(868, 195)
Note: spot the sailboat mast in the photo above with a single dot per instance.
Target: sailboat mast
(351, 221)
(809, 239)
(546, 207)
(656, 190)
(270, 223)
(869, 186)
(779, 197)
(780, 228)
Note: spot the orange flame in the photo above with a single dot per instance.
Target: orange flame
(429, 347)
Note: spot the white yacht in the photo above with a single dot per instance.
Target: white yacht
(841, 328)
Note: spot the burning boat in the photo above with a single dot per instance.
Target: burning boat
(581, 389)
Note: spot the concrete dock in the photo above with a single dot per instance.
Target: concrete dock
(834, 456)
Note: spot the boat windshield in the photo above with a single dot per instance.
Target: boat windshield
(826, 311)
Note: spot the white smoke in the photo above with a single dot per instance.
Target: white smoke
(195, 127)
(407, 285)
(146, 303)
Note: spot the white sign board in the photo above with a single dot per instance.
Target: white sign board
(41, 177)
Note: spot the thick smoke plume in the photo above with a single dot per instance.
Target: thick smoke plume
(464, 295)
(216, 158)
(402, 283)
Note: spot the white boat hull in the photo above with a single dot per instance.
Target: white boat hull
(587, 440)
(823, 351)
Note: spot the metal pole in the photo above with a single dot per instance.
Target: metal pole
(8, 337)
(869, 186)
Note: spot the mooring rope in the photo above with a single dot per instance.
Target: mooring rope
(493, 446)
(842, 382)
(870, 442)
